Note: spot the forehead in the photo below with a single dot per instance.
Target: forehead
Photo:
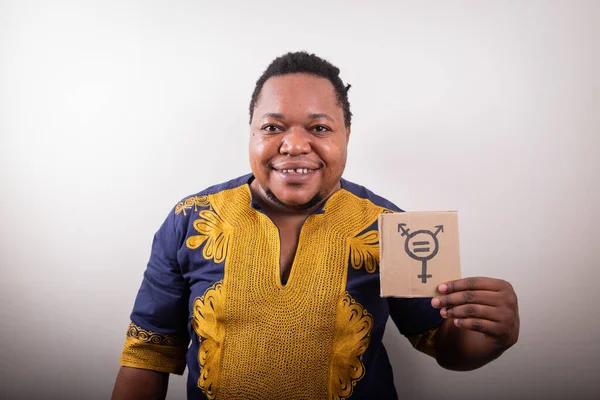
(302, 92)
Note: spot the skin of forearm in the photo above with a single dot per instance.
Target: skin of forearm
(134, 384)
(464, 350)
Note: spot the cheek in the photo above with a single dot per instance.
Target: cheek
(260, 150)
(256, 145)
(334, 154)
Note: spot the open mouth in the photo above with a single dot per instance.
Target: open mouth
(300, 171)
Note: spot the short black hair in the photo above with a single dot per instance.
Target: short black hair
(302, 62)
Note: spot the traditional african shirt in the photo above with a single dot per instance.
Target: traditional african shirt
(212, 299)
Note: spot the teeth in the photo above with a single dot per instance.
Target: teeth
(297, 170)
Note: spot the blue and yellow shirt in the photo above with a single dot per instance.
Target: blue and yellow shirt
(212, 299)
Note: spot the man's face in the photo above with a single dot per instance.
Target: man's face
(298, 140)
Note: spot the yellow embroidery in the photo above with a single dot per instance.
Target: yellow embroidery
(194, 201)
(145, 336)
(207, 320)
(425, 342)
(352, 330)
(364, 251)
(386, 211)
(303, 340)
(152, 350)
(215, 231)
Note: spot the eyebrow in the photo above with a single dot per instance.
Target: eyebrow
(318, 116)
(274, 115)
(311, 116)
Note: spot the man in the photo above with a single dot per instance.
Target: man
(274, 277)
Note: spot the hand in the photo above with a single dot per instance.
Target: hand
(483, 305)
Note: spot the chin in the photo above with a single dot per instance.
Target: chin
(296, 195)
(296, 201)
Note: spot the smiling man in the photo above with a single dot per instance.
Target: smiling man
(272, 279)
(298, 141)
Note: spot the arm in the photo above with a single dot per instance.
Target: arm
(417, 320)
(482, 321)
(140, 384)
(156, 341)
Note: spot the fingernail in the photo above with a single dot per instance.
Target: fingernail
(444, 312)
(435, 302)
(442, 288)
(457, 322)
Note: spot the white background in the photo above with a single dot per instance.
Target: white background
(112, 111)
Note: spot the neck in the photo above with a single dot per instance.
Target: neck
(274, 207)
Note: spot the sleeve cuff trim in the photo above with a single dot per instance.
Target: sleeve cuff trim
(146, 355)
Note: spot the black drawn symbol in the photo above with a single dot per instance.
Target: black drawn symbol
(421, 245)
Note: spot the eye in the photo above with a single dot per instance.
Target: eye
(271, 128)
(321, 129)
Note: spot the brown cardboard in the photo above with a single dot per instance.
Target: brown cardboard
(408, 240)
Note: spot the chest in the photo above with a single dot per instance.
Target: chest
(289, 234)
(314, 329)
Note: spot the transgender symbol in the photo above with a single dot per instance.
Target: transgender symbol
(422, 246)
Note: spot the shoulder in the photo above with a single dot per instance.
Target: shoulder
(183, 212)
(182, 215)
(364, 193)
(199, 199)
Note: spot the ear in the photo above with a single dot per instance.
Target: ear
(347, 134)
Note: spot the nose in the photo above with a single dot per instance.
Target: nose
(296, 141)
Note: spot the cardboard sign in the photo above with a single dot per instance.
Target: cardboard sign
(418, 251)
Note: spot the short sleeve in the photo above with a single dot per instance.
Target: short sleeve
(417, 320)
(157, 337)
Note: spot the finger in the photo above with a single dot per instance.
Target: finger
(490, 328)
(474, 283)
(466, 297)
(472, 311)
